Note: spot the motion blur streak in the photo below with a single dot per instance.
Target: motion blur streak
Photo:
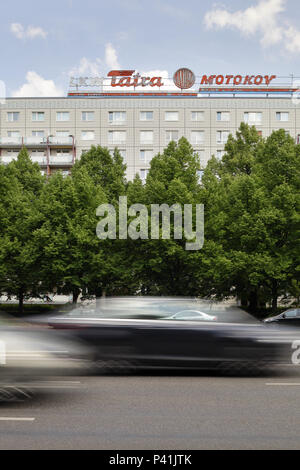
(30, 356)
(126, 334)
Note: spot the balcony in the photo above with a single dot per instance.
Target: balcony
(8, 159)
(61, 160)
(10, 141)
(40, 159)
(61, 141)
(36, 141)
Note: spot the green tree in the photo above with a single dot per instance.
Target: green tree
(21, 184)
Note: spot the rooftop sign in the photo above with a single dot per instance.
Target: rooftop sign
(184, 79)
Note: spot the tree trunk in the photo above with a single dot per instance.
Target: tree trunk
(75, 293)
(274, 295)
(21, 302)
(253, 301)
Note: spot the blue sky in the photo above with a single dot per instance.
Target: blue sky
(42, 43)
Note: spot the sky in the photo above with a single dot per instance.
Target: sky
(43, 43)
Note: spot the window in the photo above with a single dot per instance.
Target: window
(220, 154)
(171, 135)
(87, 135)
(146, 115)
(222, 137)
(12, 117)
(199, 153)
(116, 137)
(117, 117)
(282, 117)
(62, 133)
(38, 116)
(223, 116)
(290, 313)
(146, 155)
(197, 137)
(197, 116)
(200, 175)
(143, 174)
(13, 134)
(253, 117)
(62, 152)
(38, 153)
(146, 137)
(37, 133)
(87, 115)
(122, 152)
(171, 116)
(63, 116)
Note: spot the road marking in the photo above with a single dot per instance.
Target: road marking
(284, 383)
(9, 418)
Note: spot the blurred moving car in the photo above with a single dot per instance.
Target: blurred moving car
(290, 317)
(118, 342)
(31, 355)
(192, 315)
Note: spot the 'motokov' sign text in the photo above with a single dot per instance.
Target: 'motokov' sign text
(237, 79)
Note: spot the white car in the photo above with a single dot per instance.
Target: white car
(192, 315)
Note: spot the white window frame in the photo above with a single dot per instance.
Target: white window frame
(144, 177)
(224, 116)
(87, 114)
(62, 133)
(38, 114)
(220, 138)
(280, 114)
(168, 140)
(169, 113)
(15, 134)
(38, 133)
(113, 140)
(13, 114)
(116, 113)
(196, 114)
(146, 141)
(60, 114)
(90, 134)
(197, 141)
(146, 159)
(145, 113)
(255, 120)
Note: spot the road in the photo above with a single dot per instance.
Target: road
(158, 412)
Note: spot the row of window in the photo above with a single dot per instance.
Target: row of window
(119, 137)
(120, 116)
(146, 137)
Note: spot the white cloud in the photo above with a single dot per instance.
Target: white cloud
(37, 86)
(87, 67)
(263, 19)
(111, 59)
(17, 29)
(31, 32)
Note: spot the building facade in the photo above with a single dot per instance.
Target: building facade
(56, 131)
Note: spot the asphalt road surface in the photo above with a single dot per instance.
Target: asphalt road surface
(158, 412)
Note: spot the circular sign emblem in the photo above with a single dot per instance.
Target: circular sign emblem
(184, 78)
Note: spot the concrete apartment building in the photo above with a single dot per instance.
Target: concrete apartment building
(56, 131)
